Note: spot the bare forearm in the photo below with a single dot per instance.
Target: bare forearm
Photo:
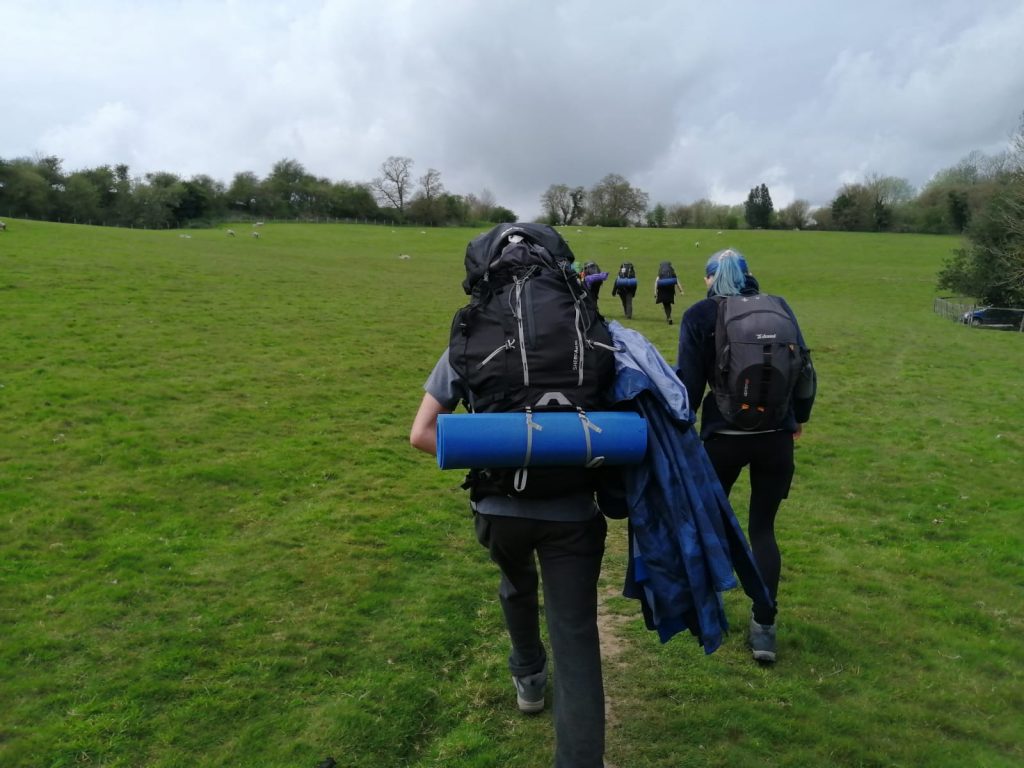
(423, 435)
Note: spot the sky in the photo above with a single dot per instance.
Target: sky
(686, 100)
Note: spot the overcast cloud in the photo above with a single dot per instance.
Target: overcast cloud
(684, 99)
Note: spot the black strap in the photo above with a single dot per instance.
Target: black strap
(766, 373)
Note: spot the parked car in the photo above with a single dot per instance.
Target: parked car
(994, 317)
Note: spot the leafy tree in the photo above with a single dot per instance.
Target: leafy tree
(795, 215)
(499, 214)
(959, 209)
(394, 183)
(613, 202)
(991, 267)
(578, 201)
(82, 199)
(202, 199)
(557, 204)
(853, 209)
(288, 189)
(758, 209)
(26, 191)
(429, 205)
(351, 201)
(657, 216)
(245, 193)
(679, 215)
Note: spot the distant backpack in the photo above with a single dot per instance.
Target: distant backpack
(625, 280)
(758, 360)
(666, 275)
(530, 338)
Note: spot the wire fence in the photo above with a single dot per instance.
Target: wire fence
(965, 311)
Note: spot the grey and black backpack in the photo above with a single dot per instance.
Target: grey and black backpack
(530, 338)
(758, 360)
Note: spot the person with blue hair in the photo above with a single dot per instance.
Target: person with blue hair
(768, 453)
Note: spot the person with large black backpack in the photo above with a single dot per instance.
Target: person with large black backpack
(625, 287)
(747, 349)
(531, 339)
(666, 286)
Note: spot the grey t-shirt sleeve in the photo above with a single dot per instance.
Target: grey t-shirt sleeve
(444, 384)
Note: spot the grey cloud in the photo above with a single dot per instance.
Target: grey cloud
(685, 99)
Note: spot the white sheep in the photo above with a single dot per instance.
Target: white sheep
(256, 234)
(231, 233)
(3, 226)
(258, 224)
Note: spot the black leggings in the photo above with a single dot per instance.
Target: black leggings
(770, 458)
(626, 297)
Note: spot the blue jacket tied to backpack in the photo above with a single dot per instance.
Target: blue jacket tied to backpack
(684, 539)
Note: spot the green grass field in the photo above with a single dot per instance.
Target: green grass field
(218, 549)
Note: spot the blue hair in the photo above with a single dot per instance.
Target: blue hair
(730, 271)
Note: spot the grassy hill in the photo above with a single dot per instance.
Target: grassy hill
(217, 548)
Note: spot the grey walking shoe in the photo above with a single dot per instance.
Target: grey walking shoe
(762, 641)
(530, 691)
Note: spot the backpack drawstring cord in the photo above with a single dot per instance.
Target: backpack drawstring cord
(519, 480)
(588, 427)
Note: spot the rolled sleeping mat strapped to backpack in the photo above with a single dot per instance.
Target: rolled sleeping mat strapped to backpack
(665, 281)
(544, 439)
(625, 282)
(597, 277)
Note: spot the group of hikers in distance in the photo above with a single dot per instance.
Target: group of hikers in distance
(666, 285)
(532, 339)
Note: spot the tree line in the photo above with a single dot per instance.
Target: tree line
(981, 196)
(945, 205)
(39, 188)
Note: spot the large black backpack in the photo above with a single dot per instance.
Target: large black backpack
(627, 270)
(530, 338)
(758, 359)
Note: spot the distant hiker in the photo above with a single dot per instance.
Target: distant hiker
(625, 287)
(666, 286)
(592, 277)
(531, 337)
(761, 393)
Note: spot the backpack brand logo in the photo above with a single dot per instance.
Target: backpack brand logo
(762, 336)
(575, 355)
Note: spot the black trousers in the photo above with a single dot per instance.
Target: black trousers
(770, 458)
(570, 557)
(626, 297)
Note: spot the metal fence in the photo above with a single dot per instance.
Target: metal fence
(965, 311)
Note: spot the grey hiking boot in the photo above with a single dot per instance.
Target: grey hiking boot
(530, 691)
(762, 641)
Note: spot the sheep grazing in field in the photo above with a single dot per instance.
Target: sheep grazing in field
(256, 234)
(3, 226)
(405, 257)
(697, 244)
(258, 224)
(231, 233)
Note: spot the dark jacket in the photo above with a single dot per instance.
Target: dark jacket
(696, 362)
